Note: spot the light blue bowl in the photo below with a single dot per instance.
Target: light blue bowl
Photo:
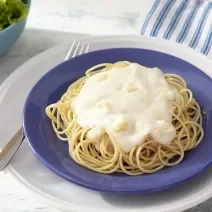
(11, 34)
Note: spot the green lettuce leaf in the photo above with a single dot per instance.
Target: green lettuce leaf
(12, 11)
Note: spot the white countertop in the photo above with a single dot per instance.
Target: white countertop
(65, 18)
(89, 16)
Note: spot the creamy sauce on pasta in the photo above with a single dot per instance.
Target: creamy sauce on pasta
(128, 104)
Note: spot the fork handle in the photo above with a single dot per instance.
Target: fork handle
(10, 149)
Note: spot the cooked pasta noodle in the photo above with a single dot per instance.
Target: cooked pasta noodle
(147, 157)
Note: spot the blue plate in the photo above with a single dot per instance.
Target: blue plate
(54, 153)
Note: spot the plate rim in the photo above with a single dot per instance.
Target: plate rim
(18, 72)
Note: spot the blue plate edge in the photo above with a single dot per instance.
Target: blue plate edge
(135, 191)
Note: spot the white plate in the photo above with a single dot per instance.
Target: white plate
(29, 173)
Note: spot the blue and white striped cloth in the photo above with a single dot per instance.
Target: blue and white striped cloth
(184, 21)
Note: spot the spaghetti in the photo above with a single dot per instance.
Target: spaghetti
(147, 157)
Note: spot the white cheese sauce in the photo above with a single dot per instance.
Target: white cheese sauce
(129, 104)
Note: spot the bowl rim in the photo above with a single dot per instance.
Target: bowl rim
(9, 27)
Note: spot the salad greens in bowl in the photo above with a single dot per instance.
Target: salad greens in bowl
(13, 15)
(12, 11)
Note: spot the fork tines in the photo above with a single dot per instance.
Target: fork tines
(77, 48)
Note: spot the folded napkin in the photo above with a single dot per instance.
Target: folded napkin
(184, 21)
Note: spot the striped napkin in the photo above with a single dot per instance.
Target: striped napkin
(184, 21)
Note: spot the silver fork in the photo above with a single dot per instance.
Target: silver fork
(77, 48)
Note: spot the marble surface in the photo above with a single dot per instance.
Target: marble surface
(53, 22)
(98, 17)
